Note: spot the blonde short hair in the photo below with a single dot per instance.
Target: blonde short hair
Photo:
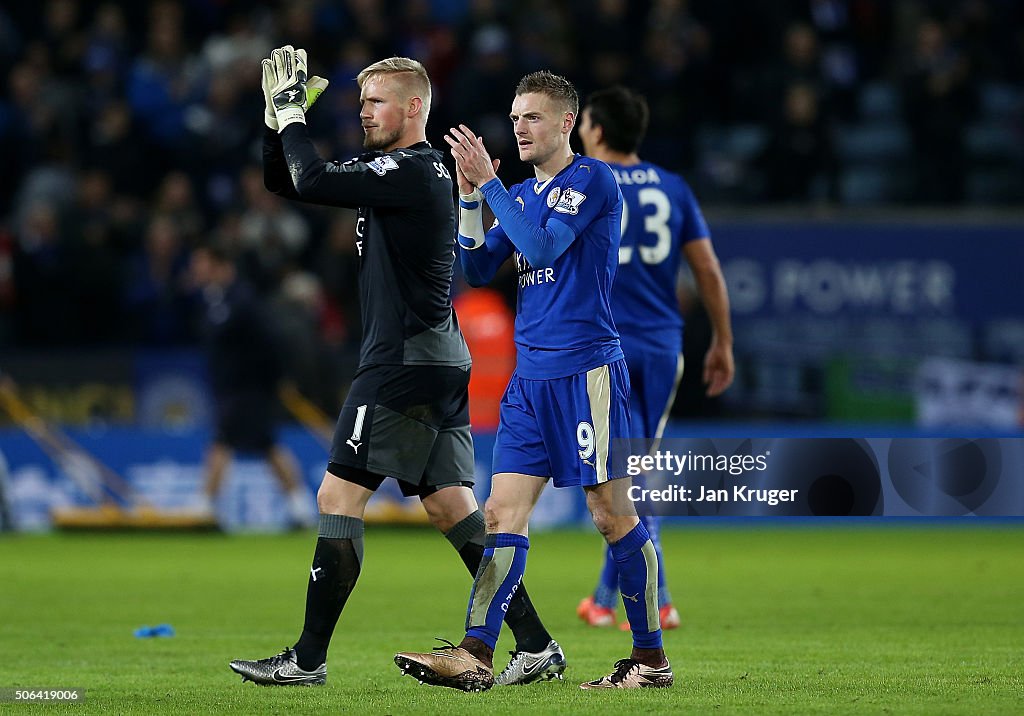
(412, 76)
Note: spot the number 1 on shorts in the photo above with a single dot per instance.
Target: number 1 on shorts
(357, 430)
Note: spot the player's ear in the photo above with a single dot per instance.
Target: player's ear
(415, 106)
(568, 122)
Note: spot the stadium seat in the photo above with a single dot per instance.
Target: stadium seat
(1001, 101)
(724, 159)
(873, 143)
(993, 141)
(745, 141)
(998, 185)
(866, 184)
(878, 102)
(741, 141)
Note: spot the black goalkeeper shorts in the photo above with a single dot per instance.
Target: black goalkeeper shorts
(407, 422)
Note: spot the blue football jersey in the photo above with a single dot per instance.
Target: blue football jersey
(660, 214)
(564, 321)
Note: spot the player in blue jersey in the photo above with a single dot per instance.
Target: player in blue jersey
(565, 413)
(661, 225)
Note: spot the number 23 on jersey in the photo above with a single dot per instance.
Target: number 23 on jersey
(656, 225)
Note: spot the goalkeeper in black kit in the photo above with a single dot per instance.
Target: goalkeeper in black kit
(406, 415)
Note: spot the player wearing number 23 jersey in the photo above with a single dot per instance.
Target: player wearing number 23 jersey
(667, 216)
(661, 225)
(660, 215)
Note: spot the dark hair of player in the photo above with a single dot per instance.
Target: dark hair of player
(622, 114)
(554, 86)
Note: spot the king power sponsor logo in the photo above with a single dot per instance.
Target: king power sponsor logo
(827, 287)
(529, 276)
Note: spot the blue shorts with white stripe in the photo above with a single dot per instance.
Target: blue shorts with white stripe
(573, 429)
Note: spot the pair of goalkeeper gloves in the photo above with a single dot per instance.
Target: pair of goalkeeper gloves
(286, 89)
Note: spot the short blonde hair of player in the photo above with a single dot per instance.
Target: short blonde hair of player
(414, 79)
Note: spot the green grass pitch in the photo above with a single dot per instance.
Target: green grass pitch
(798, 620)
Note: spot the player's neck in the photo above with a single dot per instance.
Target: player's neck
(554, 165)
(609, 156)
(408, 139)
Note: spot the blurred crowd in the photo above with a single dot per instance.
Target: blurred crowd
(130, 132)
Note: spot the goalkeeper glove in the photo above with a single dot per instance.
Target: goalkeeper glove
(288, 93)
(269, 80)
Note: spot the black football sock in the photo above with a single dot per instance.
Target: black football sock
(336, 564)
(467, 537)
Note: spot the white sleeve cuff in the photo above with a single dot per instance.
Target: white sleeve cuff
(471, 220)
(289, 115)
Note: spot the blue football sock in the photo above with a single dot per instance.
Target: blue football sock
(498, 578)
(651, 523)
(638, 582)
(607, 592)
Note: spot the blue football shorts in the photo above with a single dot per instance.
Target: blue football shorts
(573, 429)
(653, 381)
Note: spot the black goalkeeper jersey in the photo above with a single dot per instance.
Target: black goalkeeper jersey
(405, 236)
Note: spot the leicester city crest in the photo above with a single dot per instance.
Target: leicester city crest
(553, 197)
